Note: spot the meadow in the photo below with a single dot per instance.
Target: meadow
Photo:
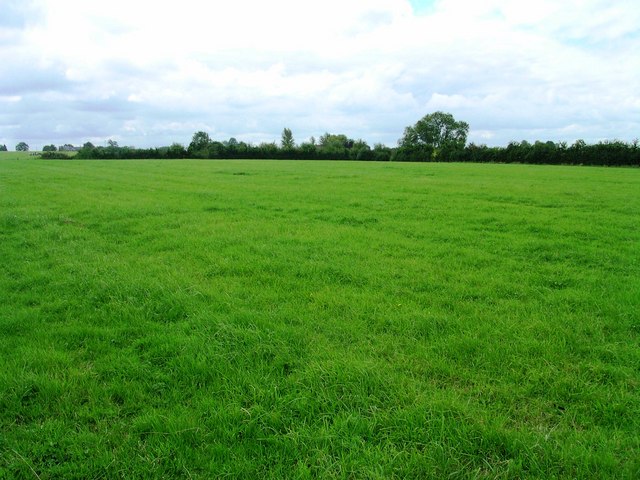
(290, 319)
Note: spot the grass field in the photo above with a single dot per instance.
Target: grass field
(18, 155)
(204, 319)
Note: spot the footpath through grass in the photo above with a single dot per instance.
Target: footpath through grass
(201, 319)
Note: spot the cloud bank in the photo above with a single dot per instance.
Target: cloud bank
(150, 73)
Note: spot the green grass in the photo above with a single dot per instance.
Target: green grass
(4, 156)
(202, 319)
(30, 155)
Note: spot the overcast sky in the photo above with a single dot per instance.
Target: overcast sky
(150, 73)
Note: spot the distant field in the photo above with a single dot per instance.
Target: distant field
(256, 319)
(17, 156)
(33, 155)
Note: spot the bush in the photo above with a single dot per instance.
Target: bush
(49, 155)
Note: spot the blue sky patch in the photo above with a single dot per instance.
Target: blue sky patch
(422, 7)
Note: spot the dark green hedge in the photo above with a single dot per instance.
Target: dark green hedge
(612, 153)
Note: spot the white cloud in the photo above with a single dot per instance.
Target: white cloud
(10, 98)
(151, 73)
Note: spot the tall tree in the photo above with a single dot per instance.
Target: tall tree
(22, 147)
(3, 148)
(199, 144)
(438, 130)
(287, 141)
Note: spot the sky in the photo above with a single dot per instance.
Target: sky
(148, 73)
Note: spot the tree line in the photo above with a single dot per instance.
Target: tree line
(436, 137)
(326, 147)
(607, 153)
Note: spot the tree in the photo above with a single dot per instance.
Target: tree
(413, 153)
(176, 151)
(199, 144)
(216, 150)
(360, 151)
(112, 143)
(287, 140)
(3, 148)
(49, 148)
(381, 152)
(335, 146)
(308, 149)
(22, 147)
(438, 130)
(268, 150)
(88, 145)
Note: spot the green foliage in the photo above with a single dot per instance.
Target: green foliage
(335, 146)
(3, 148)
(49, 148)
(246, 319)
(52, 154)
(199, 145)
(287, 141)
(360, 151)
(550, 153)
(269, 150)
(338, 141)
(176, 151)
(412, 148)
(414, 153)
(439, 131)
(218, 150)
(22, 147)
(308, 150)
(382, 153)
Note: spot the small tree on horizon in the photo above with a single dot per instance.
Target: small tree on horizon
(22, 147)
(287, 141)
